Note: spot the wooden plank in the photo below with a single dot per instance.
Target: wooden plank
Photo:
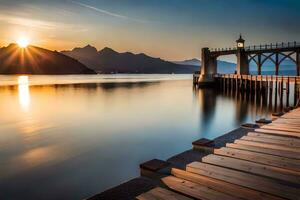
(281, 128)
(159, 193)
(277, 137)
(277, 161)
(275, 152)
(285, 121)
(245, 179)
(222, 186)
(254, 168)
(267, 145)
(195, 190)
(278, 132)
(272, 141)
(285, 124)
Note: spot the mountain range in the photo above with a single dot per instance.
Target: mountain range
(35, 60)
(88, 60)
(223, 66)
(108, 60)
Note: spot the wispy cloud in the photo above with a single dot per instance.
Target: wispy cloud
(106, 12)
(38, 23)
(21, 21)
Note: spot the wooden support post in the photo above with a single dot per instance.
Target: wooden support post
(260, 84)
(236, 82)
(271, 94)
(245, 84)
(242, 83)
(255, 83)
(276, 93)
(295, 92)
(281, 93)
(250, 83)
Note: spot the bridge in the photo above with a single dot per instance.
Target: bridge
(276, 53)
(242, 80)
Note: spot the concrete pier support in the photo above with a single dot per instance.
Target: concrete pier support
(208, 67)
(242, 62)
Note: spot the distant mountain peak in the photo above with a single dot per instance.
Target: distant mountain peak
(193, 59)
(87, 49)
(107, 49)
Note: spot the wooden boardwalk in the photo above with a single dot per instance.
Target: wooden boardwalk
(264, 164)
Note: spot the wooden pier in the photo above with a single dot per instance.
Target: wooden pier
(264, 164)
(276, 86)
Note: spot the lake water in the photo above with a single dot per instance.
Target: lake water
(85, 134)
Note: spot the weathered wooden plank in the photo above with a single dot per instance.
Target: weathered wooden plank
(267, 145)
(272, 141)
(277, 161)
(278, 132)
(287, 154)
(285, 124)
(245, 179)
(159, 193)
(281, 128)
(252, 167)
(276, 137)
(195, 190)
(222, 186)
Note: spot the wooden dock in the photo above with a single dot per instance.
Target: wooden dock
(264, 164)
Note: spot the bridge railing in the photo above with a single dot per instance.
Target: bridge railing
(261, 47)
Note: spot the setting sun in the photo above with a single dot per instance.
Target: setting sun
(23, 42)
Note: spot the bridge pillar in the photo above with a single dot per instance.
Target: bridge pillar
(277, 64)
(242, 62)
(298, 63)
(208, 67)
(259, 64)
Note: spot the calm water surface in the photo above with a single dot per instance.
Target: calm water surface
(88, 133)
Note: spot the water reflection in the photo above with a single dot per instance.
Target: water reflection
(24, 93)
(78, 134)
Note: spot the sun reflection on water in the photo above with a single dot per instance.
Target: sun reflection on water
(24, 93)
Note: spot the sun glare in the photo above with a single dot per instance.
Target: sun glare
(23, 42)
(24, 93)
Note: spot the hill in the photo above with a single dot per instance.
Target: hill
(35, 60)
(108, 60)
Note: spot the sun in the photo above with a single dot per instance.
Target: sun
(23, 42)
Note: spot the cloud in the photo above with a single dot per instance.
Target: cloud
(40, 24)
(21, 21)
(102, 11)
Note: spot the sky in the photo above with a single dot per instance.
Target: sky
(169, 29)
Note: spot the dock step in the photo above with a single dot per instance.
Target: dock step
(272, 160)
(255, 182)
(195, 190)
(222, 186)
